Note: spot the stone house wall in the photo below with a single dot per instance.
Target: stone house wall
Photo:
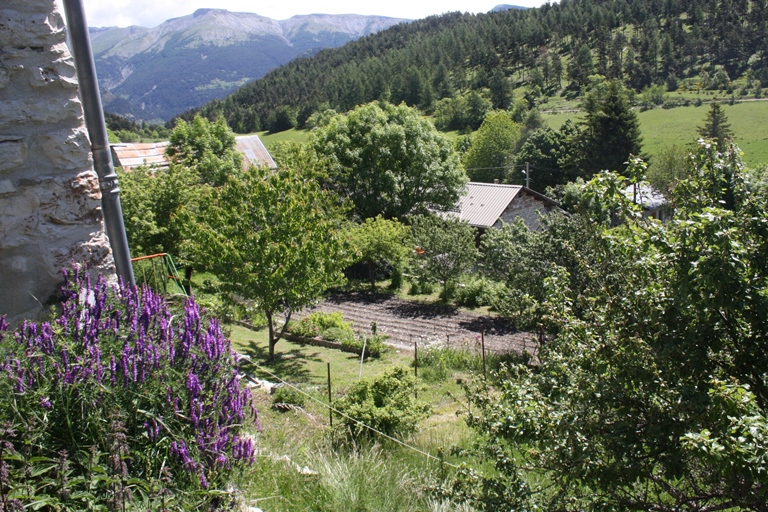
(528, 208)
(50, 202)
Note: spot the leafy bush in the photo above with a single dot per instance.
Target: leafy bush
(385, 403)
(116, 399)
(374, 344)
(304, 327)
(421, 287)
(339, 335)
(287, 395)
(476, 293)
(329, 326)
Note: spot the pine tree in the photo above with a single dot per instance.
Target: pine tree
(716, 126)
(610, 133)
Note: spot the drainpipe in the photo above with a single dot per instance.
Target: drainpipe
(97, 132)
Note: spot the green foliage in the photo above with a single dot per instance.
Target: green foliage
(446, 249)
(388, 161)
(201, 153)
(152, 201)
(463, 112)
(272, 236)
(652, 393)
(610, 132)
(667, 168)
(385, 403)
(287, 396)
(380, 242)
(114, 406)
(205, 147)
(491, 153)
(476, 292)
(548, 153)
(716, 126)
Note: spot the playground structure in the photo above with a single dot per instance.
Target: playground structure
(159, 271)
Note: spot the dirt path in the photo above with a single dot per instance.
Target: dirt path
(407, 322)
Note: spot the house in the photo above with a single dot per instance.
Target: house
(487, 205)
(654, 203)
(129, 156)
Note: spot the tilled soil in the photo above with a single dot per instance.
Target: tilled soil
(409, 322)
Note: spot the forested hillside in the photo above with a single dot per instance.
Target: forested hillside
(550, 50)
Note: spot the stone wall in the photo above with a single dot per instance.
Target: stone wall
(527, 207)
(50, 202)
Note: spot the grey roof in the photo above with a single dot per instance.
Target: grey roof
(254, 151)
(482, 204)
(130, 155)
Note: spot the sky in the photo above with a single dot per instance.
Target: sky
(150, 13)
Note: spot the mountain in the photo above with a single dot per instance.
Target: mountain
(448, 65)
(156, 73)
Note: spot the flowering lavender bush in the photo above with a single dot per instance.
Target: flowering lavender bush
(119, 400)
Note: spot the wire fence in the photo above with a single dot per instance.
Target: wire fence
(348, 417)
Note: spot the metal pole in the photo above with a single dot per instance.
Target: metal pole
(330, 399)
(527, 176)
(97, 132)
(482, 348)
(416, 369)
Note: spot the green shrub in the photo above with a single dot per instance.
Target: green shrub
(476, 293)
(374, 344)
(339, 335)
(421, 287)
(306, 328)
(286, 395)
(318, 323)
(385, 403)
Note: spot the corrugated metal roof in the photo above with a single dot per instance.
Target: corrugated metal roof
(129, 156)
(482, 204)
(254, 151)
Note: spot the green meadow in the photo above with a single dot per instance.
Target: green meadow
(660, 128)
(665, 127)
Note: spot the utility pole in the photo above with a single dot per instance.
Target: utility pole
(527, 175)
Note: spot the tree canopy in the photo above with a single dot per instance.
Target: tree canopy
(610, 133)
(273, 237)
(445, 249)
(201, 153)
(490, 156)
(652, 393)
(388, 160)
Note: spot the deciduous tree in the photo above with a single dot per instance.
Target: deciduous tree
(388, 160)
(445, 249)
(271, 236)
(380, 241)
(653, 393)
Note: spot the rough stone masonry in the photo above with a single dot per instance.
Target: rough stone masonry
(50, 202)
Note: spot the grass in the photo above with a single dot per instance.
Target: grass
(301, 467)
(679, 126)
(659, 127)
(270, 139)
(307, 364)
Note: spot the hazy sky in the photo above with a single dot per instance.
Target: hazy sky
(150, 13)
